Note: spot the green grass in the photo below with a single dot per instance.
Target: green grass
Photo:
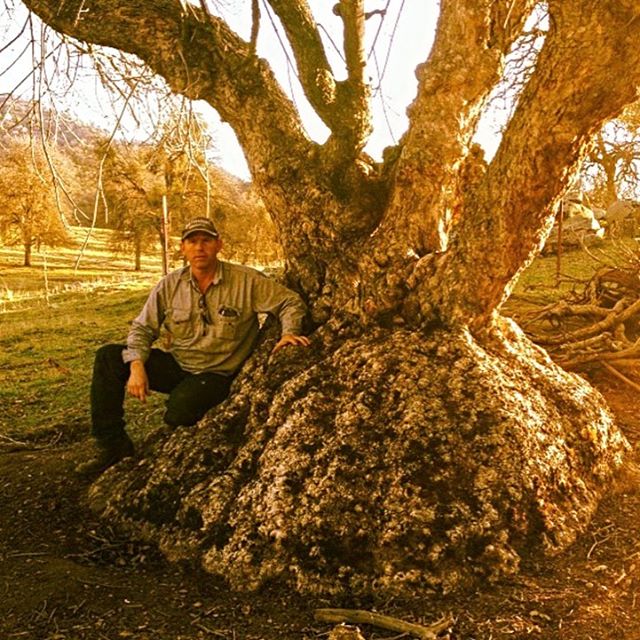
(50, 328)
(46, 359)
(548, 280)
(48, 342)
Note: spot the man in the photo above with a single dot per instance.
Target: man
(209, 312)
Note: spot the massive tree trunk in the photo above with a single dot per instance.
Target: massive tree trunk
(422, 440)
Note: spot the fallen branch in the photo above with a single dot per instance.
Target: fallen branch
(620, 375)
(359, 616)
(619, 313)
(625, 354)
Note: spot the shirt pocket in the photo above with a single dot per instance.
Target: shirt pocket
(179, 323)
(227, 321)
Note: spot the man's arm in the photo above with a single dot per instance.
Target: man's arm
(286, 305)
(146, 327)
(144, 331)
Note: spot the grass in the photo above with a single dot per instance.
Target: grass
(50, 328)
(548, 279)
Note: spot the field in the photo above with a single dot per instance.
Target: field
(53, 316)
(66, 576)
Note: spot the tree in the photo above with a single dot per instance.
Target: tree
(422, 440)
(29, 215)
(140, 180)
(132, 197)
(612, 164)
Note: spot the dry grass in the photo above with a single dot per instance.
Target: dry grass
(53, 316)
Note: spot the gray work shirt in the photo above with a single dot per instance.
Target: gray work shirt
(215, 331)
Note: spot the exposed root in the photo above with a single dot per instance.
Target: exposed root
(383, 462)
(602, 325)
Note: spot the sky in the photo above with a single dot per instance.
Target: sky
(402, 40)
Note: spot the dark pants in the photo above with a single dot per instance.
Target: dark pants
(190, 395)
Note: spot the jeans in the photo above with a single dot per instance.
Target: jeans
(190, 395)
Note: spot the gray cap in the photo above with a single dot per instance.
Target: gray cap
(199, 225)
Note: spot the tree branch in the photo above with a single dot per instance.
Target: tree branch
(315, 74)
(342, 106)
(359, 616)
(588, 70)
(200, 57)
(472, 40)
(354, 94)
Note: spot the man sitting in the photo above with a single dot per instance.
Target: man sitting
(209, 310)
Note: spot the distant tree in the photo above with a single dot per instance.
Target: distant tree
(611, 169)
(139, 180)
(131, 197)
(28, 214)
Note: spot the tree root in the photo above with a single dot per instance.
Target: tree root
(359, 616)
(595, 328)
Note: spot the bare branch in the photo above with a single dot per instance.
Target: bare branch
(572, 92)
(314, 71)
(200, 57)
(255, 24)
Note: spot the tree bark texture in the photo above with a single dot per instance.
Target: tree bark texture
(422, 440)
(422, 461)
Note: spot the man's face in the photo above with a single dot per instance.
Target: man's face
(201, 250)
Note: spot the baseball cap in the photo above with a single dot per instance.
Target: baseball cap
(199, 225)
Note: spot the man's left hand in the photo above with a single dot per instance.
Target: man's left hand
(289, 339)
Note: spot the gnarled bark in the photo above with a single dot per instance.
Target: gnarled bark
(424, 460)
(422, 440)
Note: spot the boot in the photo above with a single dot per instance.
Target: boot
(109, 453)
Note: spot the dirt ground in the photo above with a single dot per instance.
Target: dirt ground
(66, 576)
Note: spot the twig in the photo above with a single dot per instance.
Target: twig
(101, 584)
(359, 616)
(595, 544)
(24, 444)
(212, 631)
(620, 375)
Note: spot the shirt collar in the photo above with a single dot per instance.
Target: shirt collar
(217, 279)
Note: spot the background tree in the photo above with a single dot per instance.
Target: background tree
(612, 166)
(131, 197)
(423, 440)
(29, 215)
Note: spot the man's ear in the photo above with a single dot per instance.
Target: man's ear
(220, 244)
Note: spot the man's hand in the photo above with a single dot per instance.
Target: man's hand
(138, 383)
(289, 338)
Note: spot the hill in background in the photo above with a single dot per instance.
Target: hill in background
(133, 180)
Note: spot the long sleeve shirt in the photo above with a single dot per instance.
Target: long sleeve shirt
(215, 331)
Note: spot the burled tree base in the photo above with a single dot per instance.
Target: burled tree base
(388, 462)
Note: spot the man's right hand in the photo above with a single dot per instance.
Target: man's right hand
(138, 383)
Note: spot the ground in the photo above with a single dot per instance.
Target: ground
(66, 576)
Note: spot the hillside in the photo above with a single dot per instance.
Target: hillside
(133, 181)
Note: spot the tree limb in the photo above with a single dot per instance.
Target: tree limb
(582, 79)
(472, 40)
(200, 57)
(359, 616)
(342, 106)
(314, 71)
